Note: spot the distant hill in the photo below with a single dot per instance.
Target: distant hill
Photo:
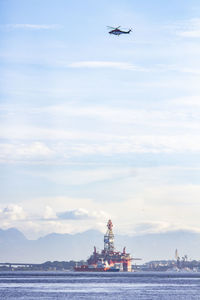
(11, 236)
(162, 245)
(15, 247)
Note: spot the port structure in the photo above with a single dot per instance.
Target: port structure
(109, 255)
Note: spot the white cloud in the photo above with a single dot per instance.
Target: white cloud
(64, 150)
(119, 131)
(194, 70)
(49, 213)
(161, 227)
(147, 205)
(190, 70)
(154, 227)
(86, 176)
(191, 33)
(31, 26)
(24, 151)
(192, 29)
(107, 64)
(43, 217)
(141, 117)
(81, 214)
(12, 212)
(193, 101)
(76, 214)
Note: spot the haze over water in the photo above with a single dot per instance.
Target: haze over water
(122, 286)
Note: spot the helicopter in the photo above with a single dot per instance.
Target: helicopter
(117, 31)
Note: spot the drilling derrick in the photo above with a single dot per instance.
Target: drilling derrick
(109, 238)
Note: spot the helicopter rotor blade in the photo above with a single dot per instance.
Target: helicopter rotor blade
(113, 27)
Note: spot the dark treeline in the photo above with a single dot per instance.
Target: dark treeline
(160, 265)
(46, 266)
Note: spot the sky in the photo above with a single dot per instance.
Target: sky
(95, 126)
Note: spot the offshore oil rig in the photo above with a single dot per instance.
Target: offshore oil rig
(108, 260)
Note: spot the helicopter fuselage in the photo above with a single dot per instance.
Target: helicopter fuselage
(118, 32)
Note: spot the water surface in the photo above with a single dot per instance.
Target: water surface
(112, 286)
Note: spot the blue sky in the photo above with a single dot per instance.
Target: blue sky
(96, 126)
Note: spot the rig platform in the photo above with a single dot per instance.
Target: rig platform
(108, 260)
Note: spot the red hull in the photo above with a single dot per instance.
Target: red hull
(81, 269)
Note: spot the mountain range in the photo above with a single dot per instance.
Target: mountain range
(15, 247)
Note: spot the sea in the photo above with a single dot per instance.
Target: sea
(113, 286)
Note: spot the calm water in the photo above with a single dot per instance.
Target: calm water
(122, 286)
